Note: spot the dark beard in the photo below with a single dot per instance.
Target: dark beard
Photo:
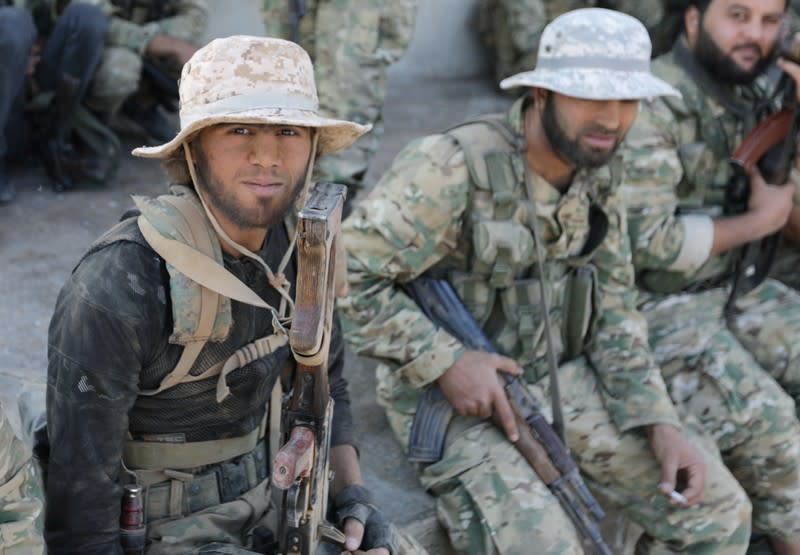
(263, 215)
(569, 149)
(722, 66)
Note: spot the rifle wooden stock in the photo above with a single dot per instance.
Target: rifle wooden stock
(300, 467)
(769, 132)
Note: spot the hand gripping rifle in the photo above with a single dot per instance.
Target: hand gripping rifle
(300, 467)
(770, 146)
(538, 442)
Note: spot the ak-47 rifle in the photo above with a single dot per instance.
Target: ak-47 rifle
(538, 442)
(300, 467)
(297, 9)
(770, 146)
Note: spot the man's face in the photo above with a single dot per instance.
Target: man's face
(252, 173)
(585, 133)
(734, 39)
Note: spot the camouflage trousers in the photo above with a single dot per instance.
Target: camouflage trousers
(21, 496)
(352, 43)
(721, 374)
(490, 500)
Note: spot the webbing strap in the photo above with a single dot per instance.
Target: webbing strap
(200, 267)
(244, 356)
(152, 455)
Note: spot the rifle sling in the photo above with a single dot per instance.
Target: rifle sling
(552, 364)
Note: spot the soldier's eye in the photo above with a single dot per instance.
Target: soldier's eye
(287, 131)
(240, 130)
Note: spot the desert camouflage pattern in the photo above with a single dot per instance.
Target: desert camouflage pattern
(352, 44)
(512, 28)
(676, 158)
(570, 63)
(246, 79)
(419, 219)
(21, 496)
(131, 27)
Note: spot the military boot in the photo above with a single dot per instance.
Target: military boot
(58, 152)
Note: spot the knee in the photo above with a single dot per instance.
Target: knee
(17, 32)
(86, 20)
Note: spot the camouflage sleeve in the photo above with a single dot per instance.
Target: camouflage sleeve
(103, 331)
(408, 223)
(634, 389)
(189, 22)
(20, 495)
(653, 171)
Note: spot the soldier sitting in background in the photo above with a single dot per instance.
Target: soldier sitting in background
(512, 28)
(55, 53)
(148, 43)
(352, 43)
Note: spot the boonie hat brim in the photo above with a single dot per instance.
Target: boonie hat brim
(593, 83)
(334, 134)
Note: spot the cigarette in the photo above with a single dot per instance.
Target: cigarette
(676, 496)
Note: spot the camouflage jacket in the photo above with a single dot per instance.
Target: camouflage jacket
(132, 23)
(110, 339)
(427, 214)
(676, 174)
(21, 496)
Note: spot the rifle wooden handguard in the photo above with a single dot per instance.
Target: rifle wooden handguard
(769, 132)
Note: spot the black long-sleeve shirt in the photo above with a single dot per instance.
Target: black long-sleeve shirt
(109, 340)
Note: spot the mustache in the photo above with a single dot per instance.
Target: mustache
(260, 174)
(595, 129)
(749, 45)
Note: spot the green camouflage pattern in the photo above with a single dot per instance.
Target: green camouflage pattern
(418, 219)
(676, 158)
(488, 496)
(512, 28)
(352, 44)
(717, 377)
(414, 221)
(131, 26)
(21, 496)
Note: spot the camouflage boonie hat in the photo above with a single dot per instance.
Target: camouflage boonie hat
(257, 80)
(594, 54)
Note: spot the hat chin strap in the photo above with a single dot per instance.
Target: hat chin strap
(276, 279)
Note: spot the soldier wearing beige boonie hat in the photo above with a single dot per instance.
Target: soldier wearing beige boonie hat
(594, 54)
(244, 79)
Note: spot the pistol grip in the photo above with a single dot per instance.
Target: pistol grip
(294, 459)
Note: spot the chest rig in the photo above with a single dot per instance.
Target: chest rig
(500, 283)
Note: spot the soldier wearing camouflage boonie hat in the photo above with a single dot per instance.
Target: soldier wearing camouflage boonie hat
(523, 214)
(595, 54)
(184, 296)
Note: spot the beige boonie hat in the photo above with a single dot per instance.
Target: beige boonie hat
(594, 54)
(242, 79)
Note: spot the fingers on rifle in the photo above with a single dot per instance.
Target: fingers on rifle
(353, 534)
(505, 415)
(507, 365)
